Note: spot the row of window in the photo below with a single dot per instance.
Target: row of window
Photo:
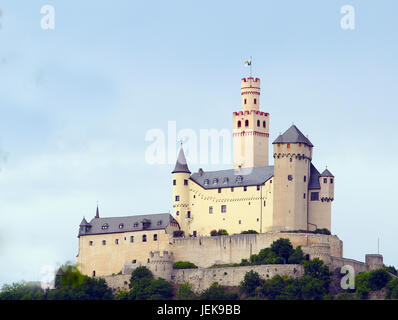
(105, 226)
(255, 101)
(143, 239)
(185, 182)
(247, 123)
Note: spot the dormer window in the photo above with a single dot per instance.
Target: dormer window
(215, 181)
(135, 224)
(121, 226)
(239, 179)
(105, 226)
(206, 182)
(159, 223)
(225, 181)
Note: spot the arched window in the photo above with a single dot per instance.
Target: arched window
(246, 123)
(239, 124)
(264, 124)
(258, 123)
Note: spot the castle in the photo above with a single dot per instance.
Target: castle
(289, 199)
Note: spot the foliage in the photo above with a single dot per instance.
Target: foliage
(249, 232)
(378, 279)
(138, 274)
(367, 281)
(250, 283)
(218, 292)
(322, 231)
(280, 252)
(392, 289)
(220, 232)
(21, 291)
(391, 269)
(184, 265)
(185, 292)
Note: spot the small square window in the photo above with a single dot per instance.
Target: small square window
(223, 208)
(104, 242)
(304, 195)
(174, 182)
(131, 238)
(185, 182)
(325, 180)
(240, 222)
(290, 177)
(116, 241)
(244, 188)
(144, 238)
(331, 180)
(232, 189)
(258, 188)
(189, 214)
(155, 237)
(177, 198)
(219, 190)
(305, 178)
(210, 209)
(314, 196)
(91, 243)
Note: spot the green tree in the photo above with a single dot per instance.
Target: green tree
(392, 289)
(318, 270)
(362, 284)
(185, 292)
(249, 232)
(21, 291)
(378, 279)
(297, 256)
(250, 283)
(282, 248)
(218, 292)
(138, 274)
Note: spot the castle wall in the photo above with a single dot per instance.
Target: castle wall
(207, 251)
(202, 278)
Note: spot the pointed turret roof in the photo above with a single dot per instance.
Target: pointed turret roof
(181, 164)
(293, 135)
(327, 173)
(84, 222)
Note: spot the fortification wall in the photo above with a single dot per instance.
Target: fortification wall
(207, 251)
(202, 278)
(338, 262)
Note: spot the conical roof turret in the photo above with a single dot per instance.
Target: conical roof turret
(181, 164)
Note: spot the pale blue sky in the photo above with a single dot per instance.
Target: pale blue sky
(77, 101)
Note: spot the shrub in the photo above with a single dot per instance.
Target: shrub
(185, 292)
(391, 269)
(282, 248)
(140, 273)
(220, 232)
(184, 265)
(344, 296)
(362, 284)
(322, 231)
(297, 256)
(250, 283)
(218, 292)
(249, 232)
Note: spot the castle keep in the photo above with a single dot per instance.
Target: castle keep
(289, 199)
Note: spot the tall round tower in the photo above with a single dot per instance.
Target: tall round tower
(250, 128)
(292, 159)
(181, 175)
